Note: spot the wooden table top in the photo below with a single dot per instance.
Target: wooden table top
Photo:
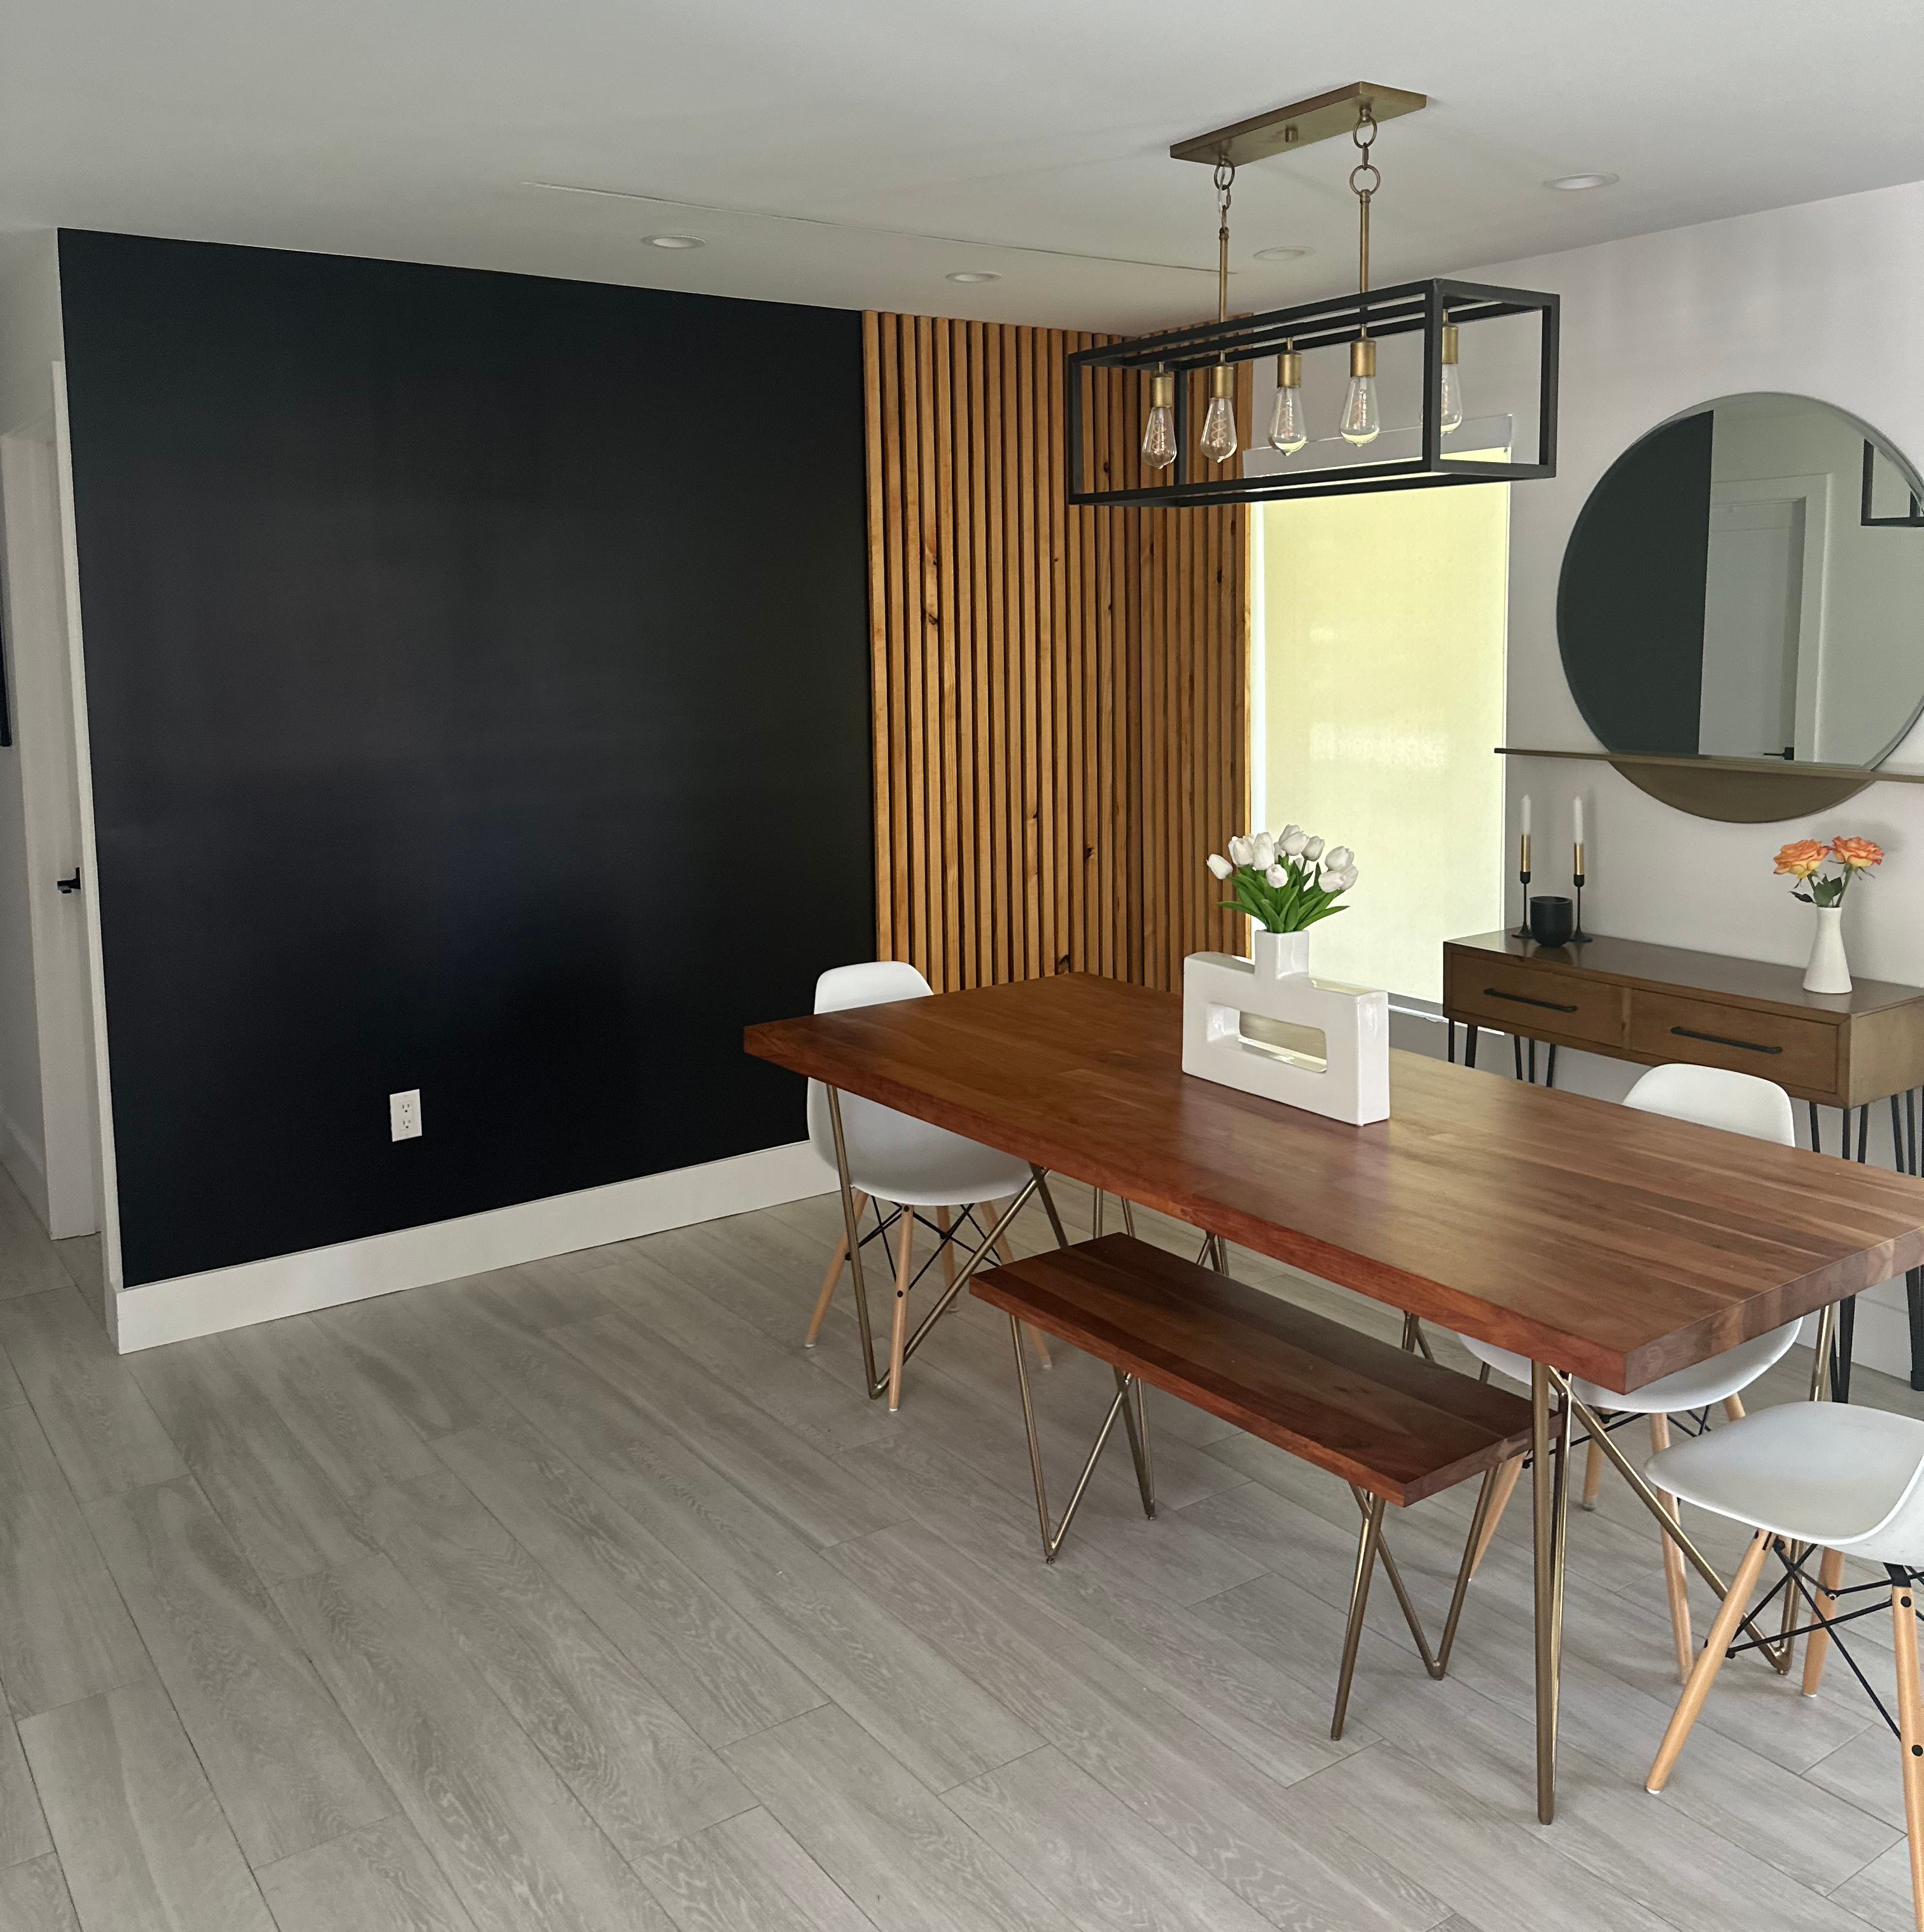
(1756, 983)
(1619, 1245)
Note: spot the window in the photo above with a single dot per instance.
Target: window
(1377, 702)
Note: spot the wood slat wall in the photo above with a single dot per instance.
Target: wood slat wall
(1060, 728)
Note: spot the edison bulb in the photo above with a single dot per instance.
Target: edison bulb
(1449, 410)
(1159, 438)
(1159, 433)
(1219, 425)
(1288, 432)
(1360, 422)
(1219, 430)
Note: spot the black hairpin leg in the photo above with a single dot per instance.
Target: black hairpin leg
(1549, 1072)
(1516, 1053)
(1450, 1024)
(1469, 1043)
(1816, 1138)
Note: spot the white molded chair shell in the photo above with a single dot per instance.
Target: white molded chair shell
(893, 1155)
(1845, 1477)
(1711, 1096)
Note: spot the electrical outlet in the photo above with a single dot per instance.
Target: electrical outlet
(404, 1115)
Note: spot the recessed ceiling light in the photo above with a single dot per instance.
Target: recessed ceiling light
(1288, 253)
(973, 275)
(1570, 184)
(676, 241)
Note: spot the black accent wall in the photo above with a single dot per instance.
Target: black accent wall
(1630, 600)
(477, 670)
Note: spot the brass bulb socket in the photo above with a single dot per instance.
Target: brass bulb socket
(1288, 369)
(1162, 390)
(1222, 381)
(1362, 358)
(1449, 342)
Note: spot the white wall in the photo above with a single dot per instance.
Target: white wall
(1821, 300)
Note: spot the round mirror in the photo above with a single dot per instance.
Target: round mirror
(1747, 581)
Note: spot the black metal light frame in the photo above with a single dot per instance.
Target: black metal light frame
(1403, 310)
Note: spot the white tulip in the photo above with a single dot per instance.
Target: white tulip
(1293, 841)
(1313, 850)
(1288, 831)
(1345, 879)
(1240, 850)
(1263, 854)
(1337, 857)
(1277, 876)
(1220, 865)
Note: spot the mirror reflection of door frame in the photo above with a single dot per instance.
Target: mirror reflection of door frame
(76, 1193)
(1814, 494)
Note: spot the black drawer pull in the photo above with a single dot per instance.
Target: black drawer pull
(1724, 1039)
(1525, 999)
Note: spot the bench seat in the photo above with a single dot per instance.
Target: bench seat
(1388, 1421)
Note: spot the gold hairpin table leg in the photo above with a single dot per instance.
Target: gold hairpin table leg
(1128, 1404)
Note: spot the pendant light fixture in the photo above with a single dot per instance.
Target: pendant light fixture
(1436, 311)
(1219, 425)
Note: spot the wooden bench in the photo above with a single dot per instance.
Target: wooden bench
(1395, 1427)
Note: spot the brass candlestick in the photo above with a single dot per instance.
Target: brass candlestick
(1580, 937)
(1522, 874)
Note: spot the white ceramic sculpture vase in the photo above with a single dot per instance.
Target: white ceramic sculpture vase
(1265, 1027)
(1829, 971)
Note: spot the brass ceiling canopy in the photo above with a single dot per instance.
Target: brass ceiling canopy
(1282, 129)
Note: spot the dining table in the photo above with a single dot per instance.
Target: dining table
(1595, 1240)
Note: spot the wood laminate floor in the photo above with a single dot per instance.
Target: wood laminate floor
(580, 1597)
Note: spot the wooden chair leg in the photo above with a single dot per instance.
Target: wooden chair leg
(1910, 1730)
(1734, 1407)
(1593, 1474)
(1499, 1497)
(898, 1339)
(941, 1221)
(1709, 1661)
(1817, 1646)
(832, 1279)
(1676, 1583)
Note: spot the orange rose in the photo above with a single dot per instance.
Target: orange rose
(1803, 857)
(1857, 852)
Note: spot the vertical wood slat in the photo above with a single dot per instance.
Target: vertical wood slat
(1058, 692)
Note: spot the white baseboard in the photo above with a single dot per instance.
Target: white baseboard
(204, 1304)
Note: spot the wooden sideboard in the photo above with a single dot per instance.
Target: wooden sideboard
(1653, 1004)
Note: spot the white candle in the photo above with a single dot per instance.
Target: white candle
(1526, 814)
(1580, 822)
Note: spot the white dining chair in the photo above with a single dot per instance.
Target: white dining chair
(901, 1165)
(1816, 1475)
(1712, 1096)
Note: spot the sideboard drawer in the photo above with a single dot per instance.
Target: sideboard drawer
(1793, 1052)
(1522, 999)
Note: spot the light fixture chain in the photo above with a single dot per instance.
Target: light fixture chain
(1225, 179)
(1365, 179)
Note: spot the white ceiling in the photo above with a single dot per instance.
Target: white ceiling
(823, 150)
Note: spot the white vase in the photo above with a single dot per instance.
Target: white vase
(1279, 955)
(1264, 1027)
(1829, 971)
